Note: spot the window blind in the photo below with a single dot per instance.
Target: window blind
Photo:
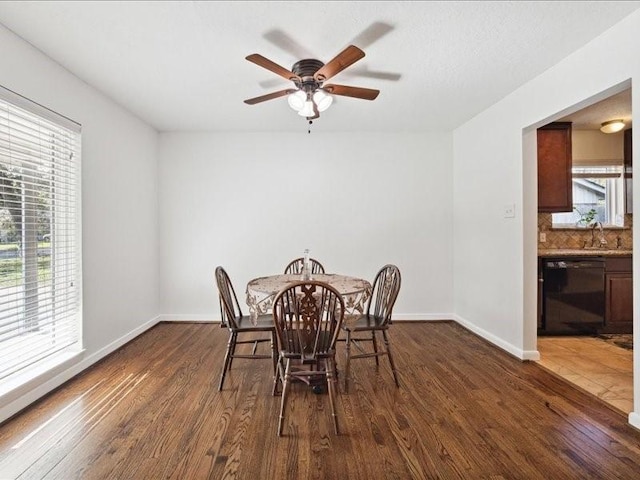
(40, 287)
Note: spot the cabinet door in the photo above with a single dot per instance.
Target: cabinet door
(628, 148)
(619, 303)
(628, 171)
(554, 168)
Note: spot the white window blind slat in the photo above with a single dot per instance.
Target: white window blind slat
(13, 343)
(52, 334)
(40, 281)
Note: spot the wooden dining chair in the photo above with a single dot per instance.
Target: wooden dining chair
(307, 316)
(242, 326)
(377, 318)
(295, 266)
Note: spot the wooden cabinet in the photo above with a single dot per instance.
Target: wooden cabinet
(628, 171)
(618, 280)
(554, 168)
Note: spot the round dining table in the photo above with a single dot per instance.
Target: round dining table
(262, 291)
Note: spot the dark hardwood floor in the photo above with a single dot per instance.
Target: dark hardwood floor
(465, 409)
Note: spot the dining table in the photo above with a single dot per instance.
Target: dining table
(262, 291)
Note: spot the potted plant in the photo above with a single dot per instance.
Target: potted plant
(585, 218)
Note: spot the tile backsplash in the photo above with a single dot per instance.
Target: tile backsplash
(576, 237)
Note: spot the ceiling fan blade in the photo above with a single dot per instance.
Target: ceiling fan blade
(270, 96)
(372, 33)
(355, 92)
(363, 71)
(274, 67)
(271, 83)
(283, 41)
(348, 56)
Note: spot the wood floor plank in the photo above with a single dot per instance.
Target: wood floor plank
(465, 409)
(133, 416)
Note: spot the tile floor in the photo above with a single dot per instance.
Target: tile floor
(592, 364)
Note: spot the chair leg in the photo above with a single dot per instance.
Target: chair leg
(279, 377)
(276, 363)
(274, 353)
(347, 362)
(388, 347)
(233, 349)
(375, 347)
(231, 346)
(331, 385)
(287, 378)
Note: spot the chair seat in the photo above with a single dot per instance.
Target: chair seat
(365, 322)
(264, 323)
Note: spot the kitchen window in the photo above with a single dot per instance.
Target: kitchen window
(40, 274)
(598, 195)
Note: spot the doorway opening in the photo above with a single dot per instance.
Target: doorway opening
(584, 330)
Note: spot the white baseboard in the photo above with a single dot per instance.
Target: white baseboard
(634, 420)
(531, 355)
(429, 317)
(422, 316)
(506, 346)
(188, 317)
(215, 318)
(47, 382)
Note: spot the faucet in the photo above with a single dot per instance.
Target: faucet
(601, 241)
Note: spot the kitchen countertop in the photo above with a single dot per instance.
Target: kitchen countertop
(583, 252)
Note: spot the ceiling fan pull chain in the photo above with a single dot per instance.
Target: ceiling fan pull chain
(310, 122)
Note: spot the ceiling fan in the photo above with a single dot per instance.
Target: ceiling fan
(311, 96)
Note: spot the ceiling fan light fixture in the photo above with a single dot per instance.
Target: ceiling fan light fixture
(612, 126)
(296, 100)
(307, 109)
(323, 101)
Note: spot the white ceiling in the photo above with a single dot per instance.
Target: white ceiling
(615, 107)
(181, 65)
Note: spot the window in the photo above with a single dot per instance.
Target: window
(40, 288)
(598, 195)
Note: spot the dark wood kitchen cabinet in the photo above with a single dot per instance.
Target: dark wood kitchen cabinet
(618, 280)
(628, 171)
(555, 192)
(628, 148)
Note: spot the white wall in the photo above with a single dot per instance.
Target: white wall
(253, 202)
(494, 257)
(119, 207)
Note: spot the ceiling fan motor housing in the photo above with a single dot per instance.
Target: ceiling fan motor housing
(305, 69)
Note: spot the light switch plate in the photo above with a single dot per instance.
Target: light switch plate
(509, 211)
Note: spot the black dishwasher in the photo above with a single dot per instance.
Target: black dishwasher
(573, 296)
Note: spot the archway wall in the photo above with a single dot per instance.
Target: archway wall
(495, 171)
